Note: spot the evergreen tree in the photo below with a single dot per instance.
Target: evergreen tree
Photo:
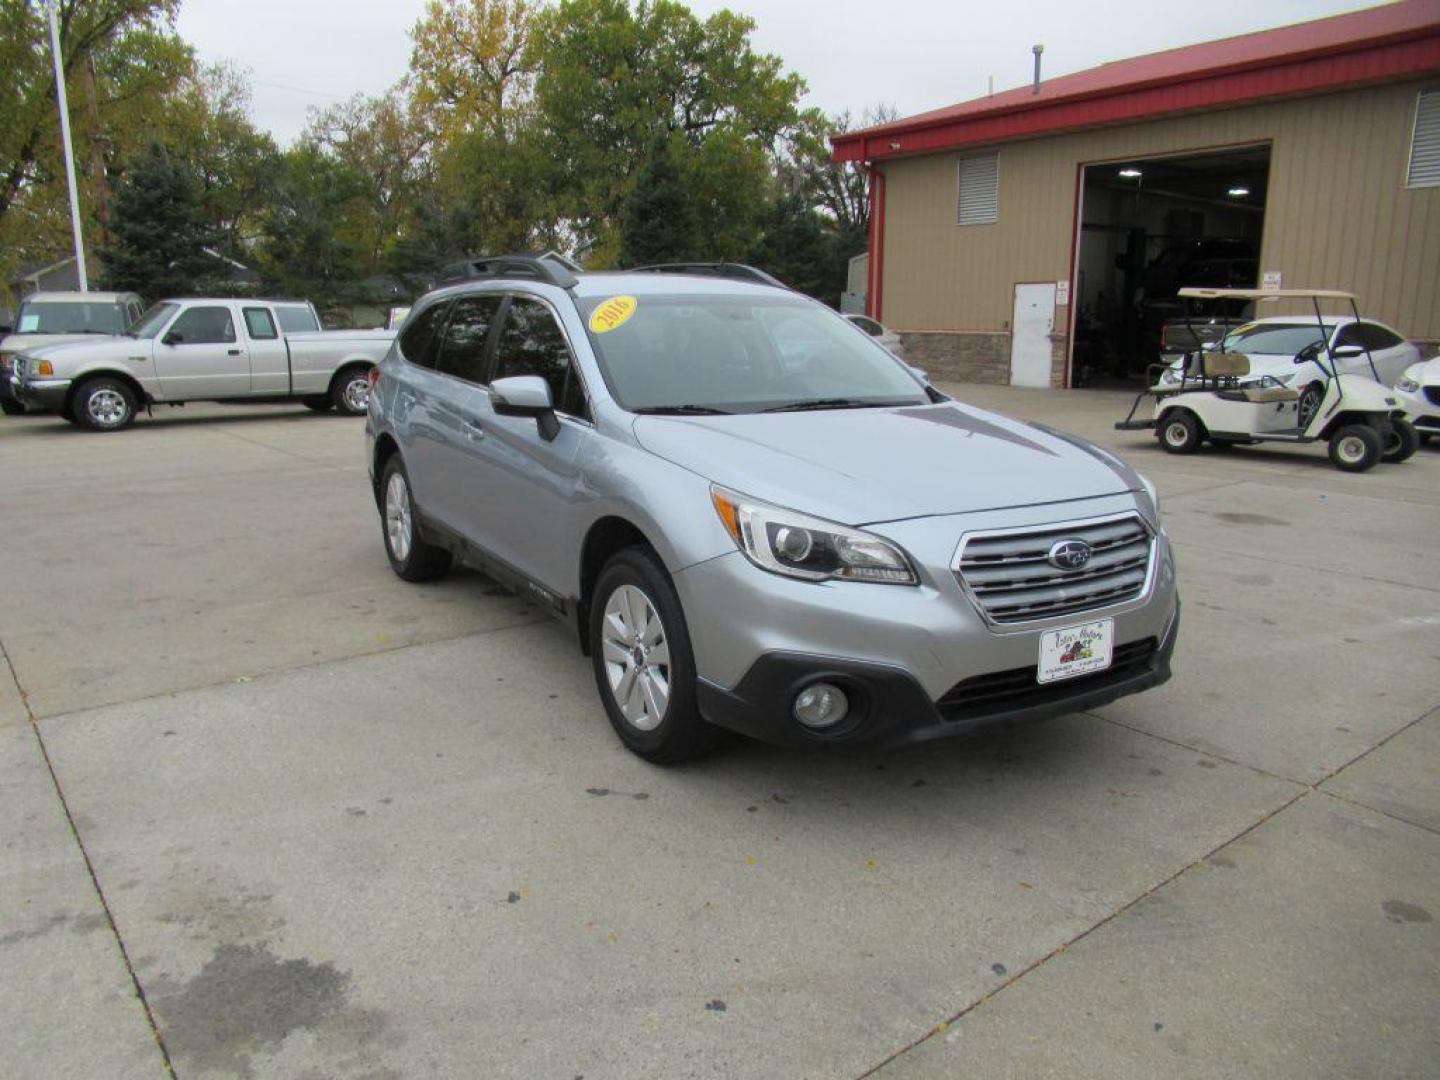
(659, 221)
(158, 230)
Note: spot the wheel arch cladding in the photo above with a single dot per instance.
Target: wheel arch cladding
(604, 539)
(385, 448)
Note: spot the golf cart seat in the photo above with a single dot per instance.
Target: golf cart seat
(1271, 393)
(1224, 365)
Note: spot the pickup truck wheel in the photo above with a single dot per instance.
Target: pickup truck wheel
(351, 392)
(318, 404)
(644, 668)
(410, 557)
(12, 408)
(104, 404)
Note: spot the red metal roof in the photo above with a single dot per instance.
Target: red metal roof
(1389, 42)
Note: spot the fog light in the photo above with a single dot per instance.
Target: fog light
(821, 706)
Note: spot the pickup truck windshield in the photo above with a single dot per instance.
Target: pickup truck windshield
(70, 317)
(154, 320)
(736, 354)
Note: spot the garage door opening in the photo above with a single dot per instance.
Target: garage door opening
(1148, 227)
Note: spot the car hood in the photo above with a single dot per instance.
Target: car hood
(34, 343)
(863, 466)
(1426, 373)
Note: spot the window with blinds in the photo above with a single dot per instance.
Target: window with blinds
(1425, 142)
(979, 190)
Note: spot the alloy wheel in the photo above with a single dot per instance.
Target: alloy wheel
(108, 408)
(397, 516)
(357, 394)
(636, 656)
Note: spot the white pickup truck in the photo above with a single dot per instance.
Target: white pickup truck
(204, 350)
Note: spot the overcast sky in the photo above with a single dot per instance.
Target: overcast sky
(913, 54)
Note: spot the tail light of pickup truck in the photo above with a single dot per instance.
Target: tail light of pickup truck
(373, 377)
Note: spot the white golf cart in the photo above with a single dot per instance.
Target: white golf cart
(1219, 401)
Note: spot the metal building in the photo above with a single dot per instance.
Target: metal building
(1037, 236)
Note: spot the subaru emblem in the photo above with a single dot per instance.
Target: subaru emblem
(1068, 554)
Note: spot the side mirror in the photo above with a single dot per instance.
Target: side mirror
(1308, 353)
(526, 395)
(173, 338)
(1345, 351)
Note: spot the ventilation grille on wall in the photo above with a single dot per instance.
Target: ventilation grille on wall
(979, 190)
(1425, 142)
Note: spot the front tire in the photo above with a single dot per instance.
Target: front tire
(351, 392)
(1180, 432)
(1309, 404)
(1402, 441)
(104, 404)
(1355, 448)
(644, 667)
(410, 556)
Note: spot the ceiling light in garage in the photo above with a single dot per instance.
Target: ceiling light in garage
(1130, 174)
(1239, 192)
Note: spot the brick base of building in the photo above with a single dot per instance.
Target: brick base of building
(977, 356)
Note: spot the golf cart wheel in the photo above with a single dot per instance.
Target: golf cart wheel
(1401, 442)
(1355, 447)
(1180, 432)
(644, 667)
(1309, 404)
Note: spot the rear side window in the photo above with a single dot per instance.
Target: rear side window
(296, 319)
(1377, 337)
(419, 339)
(868, 325)
(203, 326)
(259, 325)
(462, 352)
(531, 343)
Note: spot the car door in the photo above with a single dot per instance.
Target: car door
(427, 439)
(200, 356)
(523, 487)
(269, 355)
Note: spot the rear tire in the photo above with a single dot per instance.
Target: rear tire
(1355, 448)
(1401, 443)
(644, 667)
(1180, 432)
(350, 392)
(410, 556)
(103, 404)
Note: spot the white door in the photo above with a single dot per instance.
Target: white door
(1030, 334)
(201, 357)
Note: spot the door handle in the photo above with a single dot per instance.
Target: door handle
(232, 352)
(473, 431)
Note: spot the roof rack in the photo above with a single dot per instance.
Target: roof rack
(524, 265)
(738, 271)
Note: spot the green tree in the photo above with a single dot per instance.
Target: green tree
(159, 230)
(660, 219)
(313, 236)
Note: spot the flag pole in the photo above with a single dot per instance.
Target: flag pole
(60, 98)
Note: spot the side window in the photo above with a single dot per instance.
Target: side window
(1377, 337)
(204, 326)
(462, 352)
(868, 325)
(420, 338)
(295, 319)
(259, 325)
(531, 343)
(1349, 335)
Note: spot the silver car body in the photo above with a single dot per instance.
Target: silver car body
(1418, 392)
(259, 358)
(931, 479)
(102, 314)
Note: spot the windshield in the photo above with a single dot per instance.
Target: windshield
(739, 353)
(1281, 339)
(70, 317)
(154, 320)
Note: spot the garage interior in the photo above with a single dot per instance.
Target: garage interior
(1148, 227)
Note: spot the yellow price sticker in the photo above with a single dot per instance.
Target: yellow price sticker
(612, 313)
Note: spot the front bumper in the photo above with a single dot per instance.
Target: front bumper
(1419, 410)
(42, 393)
(915, 657)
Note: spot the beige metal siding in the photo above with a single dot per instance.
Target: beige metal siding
(1338, 213)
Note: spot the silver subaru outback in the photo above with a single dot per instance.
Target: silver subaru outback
(755, 518)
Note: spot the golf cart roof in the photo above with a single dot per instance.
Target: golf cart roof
(1266, 294)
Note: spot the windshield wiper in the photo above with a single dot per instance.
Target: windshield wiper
(680, 410)
(830, 403)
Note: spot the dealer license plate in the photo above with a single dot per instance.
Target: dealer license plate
(1075, 650)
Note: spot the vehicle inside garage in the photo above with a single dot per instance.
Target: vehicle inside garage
(1148, 227)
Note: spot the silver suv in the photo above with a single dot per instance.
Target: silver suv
(755, 518)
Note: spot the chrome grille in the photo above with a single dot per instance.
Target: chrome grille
(1012, 580)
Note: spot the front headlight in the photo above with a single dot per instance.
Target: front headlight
(799, 546)
(1408, 385)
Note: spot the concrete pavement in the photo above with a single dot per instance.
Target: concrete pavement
(348, 827)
